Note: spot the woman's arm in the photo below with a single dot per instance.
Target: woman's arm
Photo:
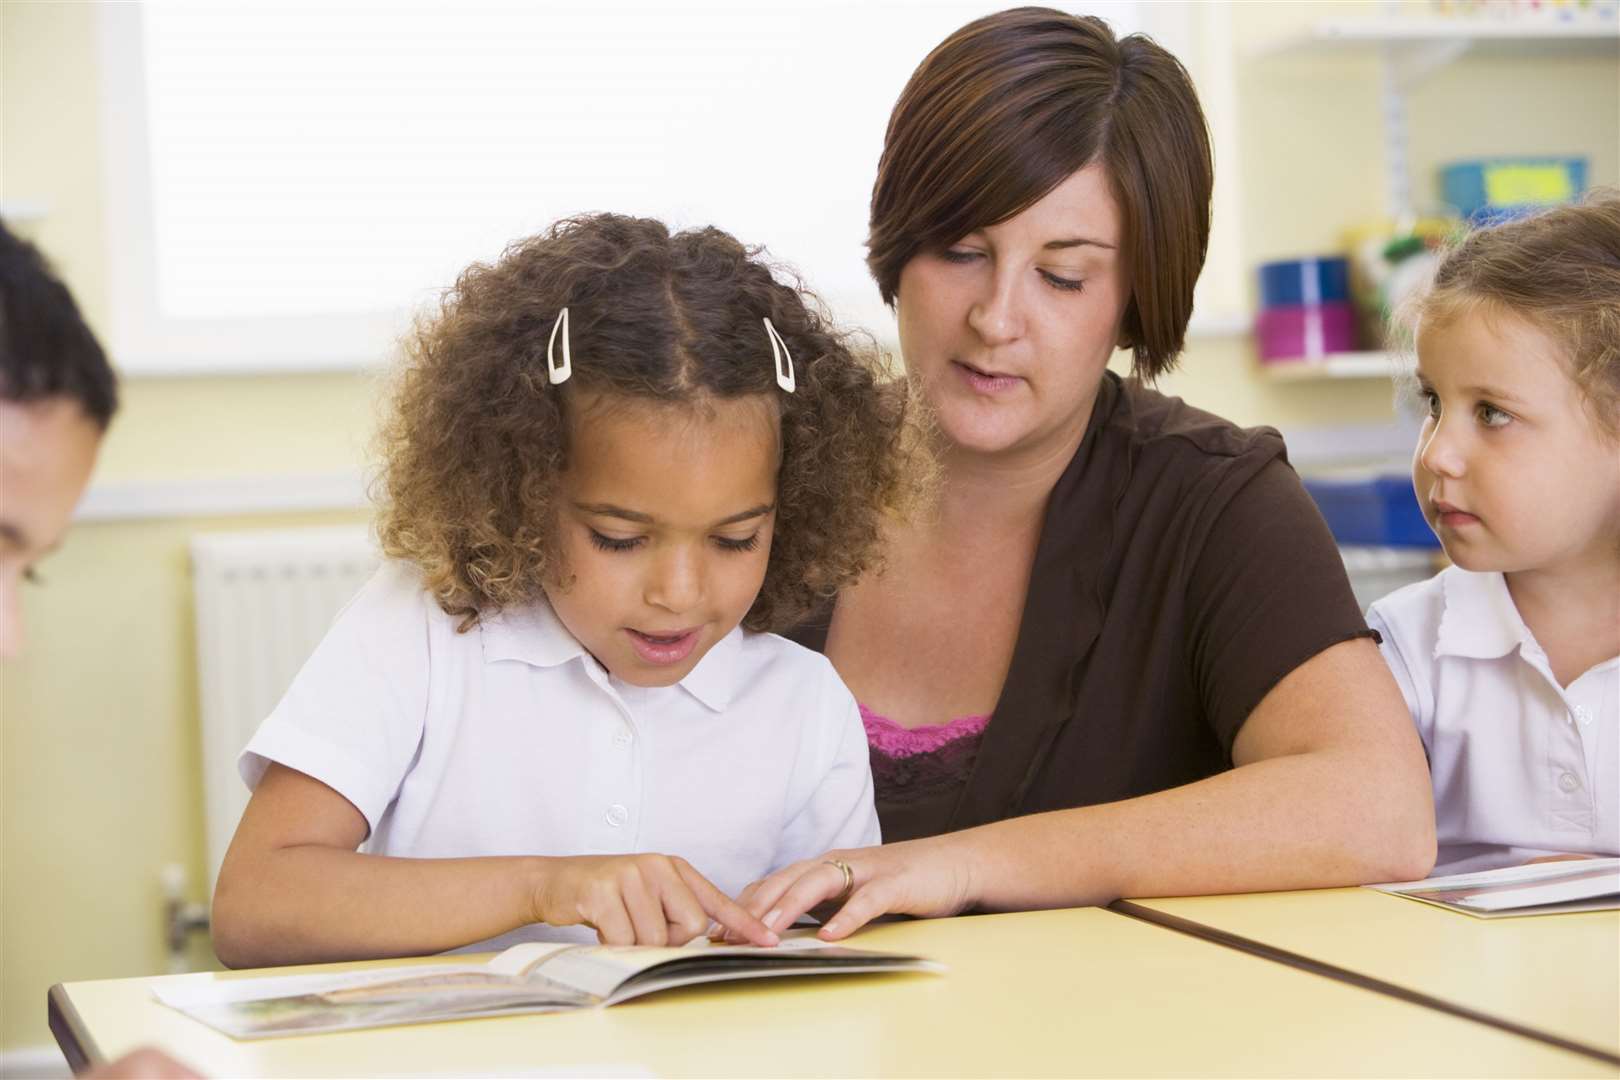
(293, 889)
(1330, 789)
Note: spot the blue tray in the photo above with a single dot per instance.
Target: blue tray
(1317, 280)
(1378, 510)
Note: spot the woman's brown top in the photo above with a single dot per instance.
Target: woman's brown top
(1181, 572)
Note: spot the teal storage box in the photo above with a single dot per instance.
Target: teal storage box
(1497, 189)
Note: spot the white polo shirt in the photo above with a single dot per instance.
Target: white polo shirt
(511, 739)
(1522, 767)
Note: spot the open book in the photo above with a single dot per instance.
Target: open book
(533, 977)
(1537, 889)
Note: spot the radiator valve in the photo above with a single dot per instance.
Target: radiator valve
(181, 917)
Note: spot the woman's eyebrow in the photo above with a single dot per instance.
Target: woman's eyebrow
(1077, 241)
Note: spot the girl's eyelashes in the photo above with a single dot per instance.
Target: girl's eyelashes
(1489, 415)
(618, 544)
(1062, 283)
(613, 543)
(955, 255)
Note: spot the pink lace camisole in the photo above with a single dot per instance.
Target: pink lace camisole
(916, 768)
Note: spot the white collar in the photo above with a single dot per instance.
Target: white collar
(1479, 620)
(534, 635)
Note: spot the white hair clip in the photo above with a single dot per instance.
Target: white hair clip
(781, 358)
(558, 373)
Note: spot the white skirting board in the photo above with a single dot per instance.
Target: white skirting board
(42, 1062)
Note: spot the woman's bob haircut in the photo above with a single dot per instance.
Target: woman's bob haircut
(1010, 106)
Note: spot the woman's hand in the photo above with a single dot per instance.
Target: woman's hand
(641, 900)
(929, 878)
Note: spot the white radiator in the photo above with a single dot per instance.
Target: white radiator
(264, 601)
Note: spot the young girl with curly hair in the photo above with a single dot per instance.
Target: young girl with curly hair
(1510, 659)
(617, 459)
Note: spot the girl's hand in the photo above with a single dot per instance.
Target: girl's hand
(641, 900)
(916, 877)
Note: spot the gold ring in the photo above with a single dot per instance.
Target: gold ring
(849, 879)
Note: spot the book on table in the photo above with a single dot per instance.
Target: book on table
(527, 978)
(1543, 888)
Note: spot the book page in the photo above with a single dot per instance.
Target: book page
(1592, 883)
(292, 1004)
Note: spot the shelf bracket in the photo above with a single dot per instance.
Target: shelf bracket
(1403, 65)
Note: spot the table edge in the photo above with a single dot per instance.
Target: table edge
(72, 1037)
(1230, 940)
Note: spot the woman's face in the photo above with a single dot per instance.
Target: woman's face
(1009, 329)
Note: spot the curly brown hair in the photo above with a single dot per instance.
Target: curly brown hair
(477, 435)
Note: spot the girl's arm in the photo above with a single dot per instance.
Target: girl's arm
(293, 889)
(1330, 789)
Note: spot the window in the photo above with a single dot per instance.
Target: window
(287, 182)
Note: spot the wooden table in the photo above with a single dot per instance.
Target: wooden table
(1058, 993)
(1555, 977)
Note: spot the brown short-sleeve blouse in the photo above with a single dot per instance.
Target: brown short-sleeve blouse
(1181, 572)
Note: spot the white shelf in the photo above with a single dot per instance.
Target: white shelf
(1593, 34)
(1350, 365)
(1411, 48)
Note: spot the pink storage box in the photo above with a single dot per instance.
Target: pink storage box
(1304, 331)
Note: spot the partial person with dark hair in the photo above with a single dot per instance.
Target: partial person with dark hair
(1123, 657)
(618, 458)
(1509, 659)
(57, 396)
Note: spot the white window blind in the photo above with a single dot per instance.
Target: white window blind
(287, 182)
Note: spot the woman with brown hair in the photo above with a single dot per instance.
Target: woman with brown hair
(1121, 658)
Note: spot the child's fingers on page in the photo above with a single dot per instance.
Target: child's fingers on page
(612, 921)
(683, 913)
(645, 904)
(761, 896)
(723, 909)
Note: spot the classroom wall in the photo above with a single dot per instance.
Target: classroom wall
(99, 782)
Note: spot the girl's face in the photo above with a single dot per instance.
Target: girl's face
(664, 523)
(1512, 472)
(1009, 329)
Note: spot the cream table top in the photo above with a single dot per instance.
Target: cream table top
(1559, 974)
(1058, 993)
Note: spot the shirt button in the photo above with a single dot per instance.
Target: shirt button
(1568, 782)
(618, 815)
(622, 739)
(1583, 714)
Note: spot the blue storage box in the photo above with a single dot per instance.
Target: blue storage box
(1489, 190)
(1381, 511)
(1304, 282)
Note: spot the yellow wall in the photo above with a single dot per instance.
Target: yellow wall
(99, 756)
(99, 780)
